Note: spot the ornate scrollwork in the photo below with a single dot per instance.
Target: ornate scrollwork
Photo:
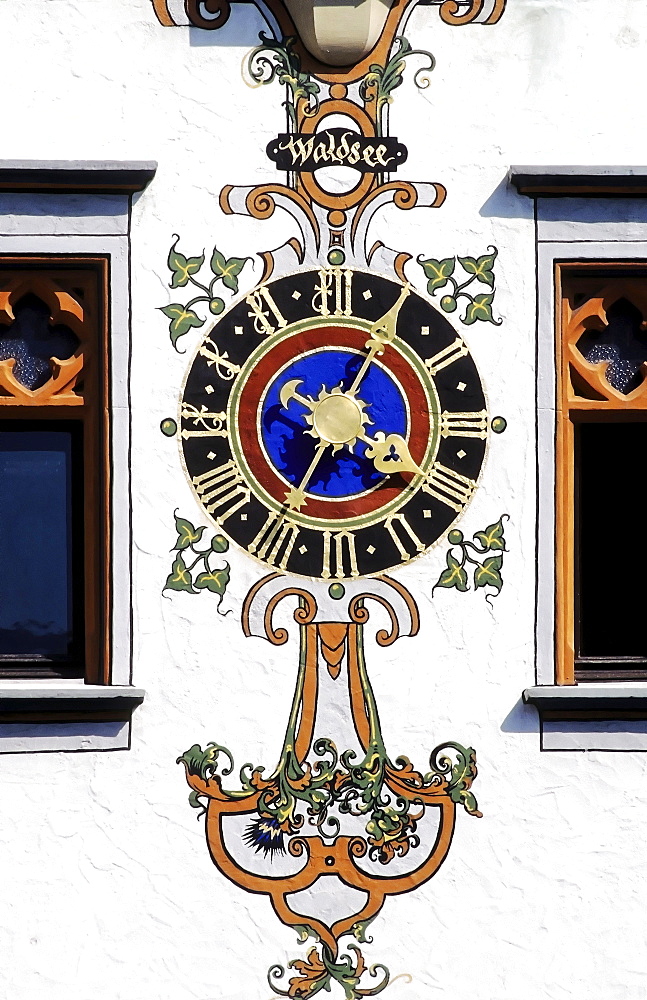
(450, 11)
(219, 9)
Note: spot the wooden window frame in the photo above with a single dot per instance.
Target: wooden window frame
(614, 280)
(61, 399)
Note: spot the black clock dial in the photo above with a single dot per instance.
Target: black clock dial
(333, 423)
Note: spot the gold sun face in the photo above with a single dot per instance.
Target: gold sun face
(337, 418)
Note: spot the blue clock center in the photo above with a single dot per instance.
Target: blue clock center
(291, 449)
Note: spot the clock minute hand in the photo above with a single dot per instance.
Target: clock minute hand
(382, 332)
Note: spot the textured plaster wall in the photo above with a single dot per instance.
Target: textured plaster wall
(107, 890)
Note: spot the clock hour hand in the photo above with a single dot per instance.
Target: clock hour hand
(390, 453)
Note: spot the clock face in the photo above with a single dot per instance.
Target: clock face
(333, 424)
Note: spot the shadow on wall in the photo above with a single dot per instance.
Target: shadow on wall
(240, 30)
(521, 719)
(506, 203)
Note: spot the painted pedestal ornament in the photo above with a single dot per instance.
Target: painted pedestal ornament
(333, 425)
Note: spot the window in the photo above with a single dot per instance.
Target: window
(601, 448)
(591, 254)
(54, 501)
(65, 585)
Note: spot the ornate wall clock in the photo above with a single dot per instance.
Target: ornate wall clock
(343, 429)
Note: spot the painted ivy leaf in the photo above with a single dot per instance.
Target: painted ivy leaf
(214, 581)
(489, 575)
(437, 271)
(181, 266)
(179, 577)
(304, 932)
(492, 537)
(204, 763)
(480, 308)
(187, 534)
(359, 929)
(481, 268)
(182, 319)
(227, 269)
(469, 803)
(454, 576)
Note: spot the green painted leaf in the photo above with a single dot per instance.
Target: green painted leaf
(454, 576)
(181, 266)
(492, 537)
(468, 800)
(227, 270)
(481, 268)
(187, 534)
(359, 929)
(182, 319)
(480, 308)
(215, 581)
(488, 575)
(437, 271)
(179, 577)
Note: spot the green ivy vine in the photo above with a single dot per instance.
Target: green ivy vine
(440, 273)
(198, 575)
(183, 273)
(486, 557)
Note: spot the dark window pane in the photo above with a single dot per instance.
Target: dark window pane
(39, 576)
(610, 531)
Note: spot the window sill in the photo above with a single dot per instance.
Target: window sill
(591, 716)
(54, 716)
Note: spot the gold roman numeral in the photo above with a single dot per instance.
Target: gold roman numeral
(275, 541)
(207, 424)
(226, 369)
(465, 425)
(222, 486)
(448, 355)
(407, 535)
(449, 487)
(333, 293)
(262, 307)
(341, 572)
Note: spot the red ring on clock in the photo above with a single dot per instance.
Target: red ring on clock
(283, 353)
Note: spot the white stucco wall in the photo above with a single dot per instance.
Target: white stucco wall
(107, 890)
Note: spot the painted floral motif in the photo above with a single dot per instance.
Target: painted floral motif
(277, 60)
(440, 273)
(380, 81)
(183, 273)
(486, 557)
(183, 576)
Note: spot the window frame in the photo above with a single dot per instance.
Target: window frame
(569, 414)
(582, 215)
(94, 417)
(83, 210)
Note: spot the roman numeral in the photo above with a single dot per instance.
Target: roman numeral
(449, 487)
(262, 306)
(226, 369)
(208, 424)
(333, 293)
(275, 541)
(457, 349)
(466, 425)
(406, 535)
(220, 487)
(341, 572)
